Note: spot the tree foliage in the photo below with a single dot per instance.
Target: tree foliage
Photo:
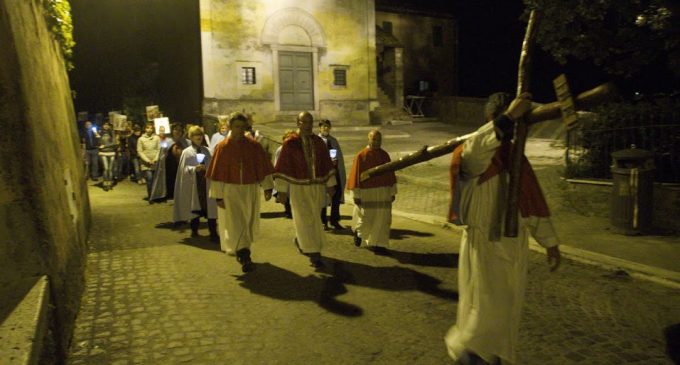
(621, 36)
(58, 16)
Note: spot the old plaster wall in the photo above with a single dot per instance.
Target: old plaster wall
(422, 59)
(44, 206)
(457, 110)
(231, 38)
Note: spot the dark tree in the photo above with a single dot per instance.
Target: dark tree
(621, 37)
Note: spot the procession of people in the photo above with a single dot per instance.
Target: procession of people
(220, 179)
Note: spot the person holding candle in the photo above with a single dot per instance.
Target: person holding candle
(339, 165)
(89, 140)
(168, 159)
(191, 187)
(240, 167)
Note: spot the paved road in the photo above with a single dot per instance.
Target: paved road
(155, 296)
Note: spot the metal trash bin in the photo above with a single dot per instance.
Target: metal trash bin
(633, 188)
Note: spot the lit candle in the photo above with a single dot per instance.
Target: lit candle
(200, 157)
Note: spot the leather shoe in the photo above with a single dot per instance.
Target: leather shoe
(315, 260)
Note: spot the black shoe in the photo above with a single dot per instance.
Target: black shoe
(315, 260)
(247, 267)
(243, 257)
(337, 226)
(382, 251)
(357, 239)
(194, 233)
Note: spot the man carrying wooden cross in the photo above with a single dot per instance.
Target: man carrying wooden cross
(492, 268)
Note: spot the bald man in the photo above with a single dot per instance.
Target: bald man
(305, 173)
(372, 198)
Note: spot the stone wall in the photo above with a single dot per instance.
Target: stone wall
(44, 206)
(666, 202)
(422, 59)
(456, 110)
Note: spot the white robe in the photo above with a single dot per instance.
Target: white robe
(374, 217)
(186, 190)
(491, 273)
(216, 138)
(239, 221)
(306, 202)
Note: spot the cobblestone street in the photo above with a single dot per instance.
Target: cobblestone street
(155, 296)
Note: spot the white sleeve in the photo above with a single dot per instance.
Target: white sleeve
(216, 189)
(281, 185)
(267, 183)
(479, 149)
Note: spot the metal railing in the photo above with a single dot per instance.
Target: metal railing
(588, 153)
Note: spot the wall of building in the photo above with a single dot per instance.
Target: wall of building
(422, 59)
(232, 37)
(44, 206)
(457, 110)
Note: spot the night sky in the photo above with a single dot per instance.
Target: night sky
(150, 49)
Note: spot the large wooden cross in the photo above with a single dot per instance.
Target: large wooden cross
(565, 106)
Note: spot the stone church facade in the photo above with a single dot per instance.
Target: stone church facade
(277, 58)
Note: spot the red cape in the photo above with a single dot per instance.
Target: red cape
(531, 199)
(239, 162)
(364, 160)
(292, 166)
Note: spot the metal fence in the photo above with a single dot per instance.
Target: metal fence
(588, 153)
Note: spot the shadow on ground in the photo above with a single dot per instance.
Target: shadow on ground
(400, 234)
(271, 215)
(278, 283)
(202, 242)
(426, 259)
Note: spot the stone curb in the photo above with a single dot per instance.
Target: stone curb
(657, 275)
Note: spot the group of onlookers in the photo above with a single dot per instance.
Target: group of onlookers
(111, 154)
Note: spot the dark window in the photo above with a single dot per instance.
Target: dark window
(340, 77)
(437, 36)
(248, 75)
(387, 27)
